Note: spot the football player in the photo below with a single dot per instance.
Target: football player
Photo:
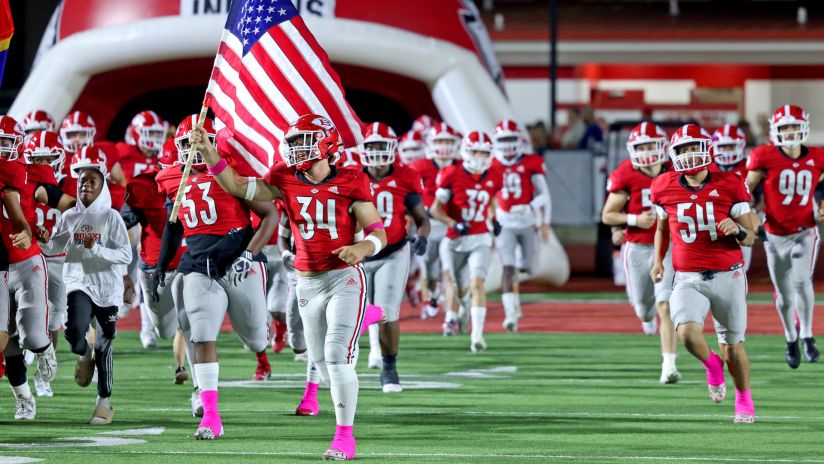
(27, 274)
(397, 191)
(223, 267)
(36, 121)
(791, 173)
(411, 148)
(97, 247)
(325, 205)
(442, 146)
(44, 148)
(628, 203)
(463, 202)
(729, 143)
(524, 196)
(707, 217)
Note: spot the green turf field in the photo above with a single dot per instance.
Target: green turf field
(529, 398)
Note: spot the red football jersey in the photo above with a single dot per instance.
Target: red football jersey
(789, 186)
(517, 186)
(740, 168)
(46, 218)
(319, 214)
(637, 184)
(118, 192)
(142, 194)
(35, 174)
(390, 199)
(694, 214)
(471, 195)
(206, 208)
(428, 171)
(132, 161)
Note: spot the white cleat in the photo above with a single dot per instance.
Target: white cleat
(392, 388)
(477, 344)
(375, 360)
(743, 419)
(429, 311)
(197, 404)
(717, 392)
(670, 375)
(650, 328)
(47, 364)
(26, 408)
(302, 357)
(41, 387)
(511, 325)
(148, 338)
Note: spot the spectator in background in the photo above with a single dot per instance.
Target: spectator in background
(593, 136)
(744, 125)
(576, 127)
(538, 136)
(763, 124)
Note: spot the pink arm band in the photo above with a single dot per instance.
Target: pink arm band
(218, 168)
(377, 225)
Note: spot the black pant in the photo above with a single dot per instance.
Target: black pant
(81, 309)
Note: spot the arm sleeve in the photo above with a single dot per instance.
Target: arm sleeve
(541, 198)
(411, 200)
(170, 242)
(132, 216)
(120, 251)
(54, 194)
(739, 209)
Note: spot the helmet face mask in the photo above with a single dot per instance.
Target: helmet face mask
(10, 147)
(508, 148)
(476, 152)
(728, 153)
(184, 148)
(790, 134)
(443, 150)
(691, 156)
(300, 147)
(645, 153)
(75, 139)
(151, 138)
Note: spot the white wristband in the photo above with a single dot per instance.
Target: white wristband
(632, 220)
(251, 188)
(284, 232)
(375, 241)
(284, 254)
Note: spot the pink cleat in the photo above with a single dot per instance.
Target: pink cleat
(211, 426)
(373, 314)
(343, 446)
(715, 377)
(309, 404)
(744, 409)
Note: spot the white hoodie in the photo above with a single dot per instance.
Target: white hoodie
(97, 271)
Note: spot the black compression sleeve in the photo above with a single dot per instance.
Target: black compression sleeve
(54, 194)
(172, 237)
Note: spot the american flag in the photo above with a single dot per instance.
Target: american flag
(269, 71)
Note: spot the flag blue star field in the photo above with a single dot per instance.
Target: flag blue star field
(269, 71)
(6, 31)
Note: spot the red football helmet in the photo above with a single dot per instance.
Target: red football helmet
(476, 151)
(442, 144)
(647, 145)
(309, 139)
(787, 117)
(182, 139)
(89, 157)
(509, 142)
(168, 154)
(44, 147)
(423, 123)
(38, 120)
(691, 149)
(379, 145)
(77, 131)
(411, 147)
(11, 138)
(148, 131)
(728, 142)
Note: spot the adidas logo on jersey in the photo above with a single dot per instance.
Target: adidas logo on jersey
(36, 268)
(392, 183)
(810, 163)
(315, 190)
(714, 193)
(351, 281)
(334, 189)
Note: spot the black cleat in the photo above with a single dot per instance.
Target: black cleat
(810, 350)
(793, 355)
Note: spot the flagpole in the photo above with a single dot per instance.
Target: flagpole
(188, 166)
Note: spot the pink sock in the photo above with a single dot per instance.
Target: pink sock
(344, 441)
(211, 416)
(373, 314)
(309, 404)
(715, 369)
(743, 402)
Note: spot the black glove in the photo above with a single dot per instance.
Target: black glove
(496, 227)
(419, 245)
(462, 228)
(158, 280)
